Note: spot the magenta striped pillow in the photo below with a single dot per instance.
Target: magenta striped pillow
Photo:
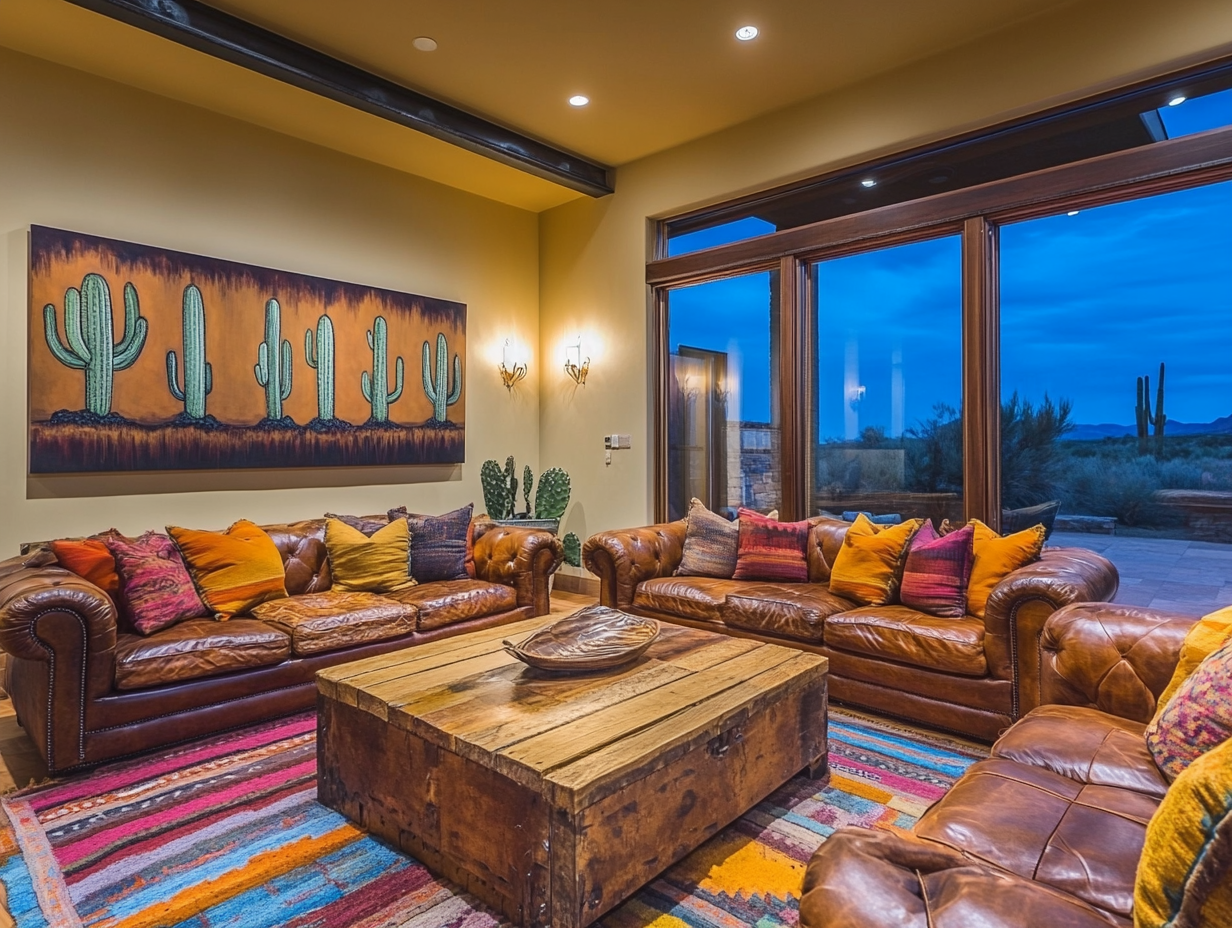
(936, 571)
(156, 590)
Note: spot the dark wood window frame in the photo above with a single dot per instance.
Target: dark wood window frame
(976, 213)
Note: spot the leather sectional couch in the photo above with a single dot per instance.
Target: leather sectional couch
(87, 691)
(974, 676)
(1049, 829)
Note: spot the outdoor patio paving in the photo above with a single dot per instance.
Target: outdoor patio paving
(1192, 577)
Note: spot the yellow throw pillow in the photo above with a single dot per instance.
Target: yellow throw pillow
(1207, 636)
(233, 570)
(1185, 872)
(996, 558)
(377, 563)
(869, 566)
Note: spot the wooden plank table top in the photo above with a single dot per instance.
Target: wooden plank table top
(697, 731)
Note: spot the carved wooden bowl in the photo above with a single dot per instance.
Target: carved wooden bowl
(596, 638)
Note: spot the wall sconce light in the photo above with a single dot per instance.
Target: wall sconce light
(855, 396)
(575, 366)
(511, 369)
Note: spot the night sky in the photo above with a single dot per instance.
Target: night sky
(1089, 303)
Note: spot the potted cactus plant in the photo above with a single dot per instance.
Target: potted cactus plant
(551, 499)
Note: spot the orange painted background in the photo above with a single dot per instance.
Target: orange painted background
(234, 296)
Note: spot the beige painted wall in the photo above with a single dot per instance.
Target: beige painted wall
(80, 153)
(593, 253)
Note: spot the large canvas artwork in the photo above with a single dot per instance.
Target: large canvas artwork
(146, 359)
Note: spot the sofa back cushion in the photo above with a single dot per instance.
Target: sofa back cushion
(233, 570)
(825, 541)
(305, 562)
(711, 544)
(1185, 872)
(1197, 717)
(868, 567)
(359, 563)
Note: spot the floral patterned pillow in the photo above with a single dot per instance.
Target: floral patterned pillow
(156, 591)
(1197, 718)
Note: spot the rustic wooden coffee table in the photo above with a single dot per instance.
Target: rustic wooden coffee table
(553, 799)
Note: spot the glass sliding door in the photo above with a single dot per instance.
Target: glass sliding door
(887, 429)
(1116, 334)
(724, 437)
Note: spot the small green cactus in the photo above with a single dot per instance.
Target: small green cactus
(321, 359)
(198, 373)
(88, 330)
(511, 483)
(552, 496)
(436, 382)
(273, 370)
(573, 550)
(374, 386)
(528, 481)
(495, 491)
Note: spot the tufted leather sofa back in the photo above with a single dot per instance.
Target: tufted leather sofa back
(825, 539)
(302, 546)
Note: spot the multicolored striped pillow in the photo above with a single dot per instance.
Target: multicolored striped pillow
(1196, 718)
(771, 550)
(156, 591)
(711, 544)
(234, 570)
(936, 571)
(867, 568)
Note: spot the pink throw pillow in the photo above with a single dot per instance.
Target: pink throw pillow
(936, 571)
(771, 550)
(156, 590)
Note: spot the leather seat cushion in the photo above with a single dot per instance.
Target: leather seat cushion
(1083, 839)
(330, 621)
(197, 648)
(444, 602)
(1086, 745)
(792, 610)
(899, 633)
(698, 598)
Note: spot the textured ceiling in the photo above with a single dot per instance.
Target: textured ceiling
(658, 73)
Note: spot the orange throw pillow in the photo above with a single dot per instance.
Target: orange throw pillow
(996, 558)
(89, 559)
(233, 570)
(869, 566)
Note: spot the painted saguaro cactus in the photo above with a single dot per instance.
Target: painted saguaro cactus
(273, 368)
(198, 373)
(321, 359)
(89, 332)
(374, 386)
(436, 382)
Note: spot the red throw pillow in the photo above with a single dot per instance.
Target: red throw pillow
(90, 559)
(771, 550)
(156, 590)
(936, 572)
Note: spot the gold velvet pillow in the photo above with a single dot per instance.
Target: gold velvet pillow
(232, 570)
(377, 563)
(996, 558)
(1207, 636)
(869, 566)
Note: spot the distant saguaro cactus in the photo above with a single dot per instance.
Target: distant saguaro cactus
(198, 373)
(1160, 419)
(321, 359)
(436, 383)
(89, 332)
(1144, 418)
(374, 387)
(273, 368)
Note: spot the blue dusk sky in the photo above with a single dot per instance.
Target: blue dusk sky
(1089, 302)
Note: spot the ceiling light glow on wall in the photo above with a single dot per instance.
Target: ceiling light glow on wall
(868, 182)
(746, 33)
(578, 100)
(1177, 100)
(424, 43)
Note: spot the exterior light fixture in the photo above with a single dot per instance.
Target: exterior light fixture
(746, 33)
(575, 366)
(1073, 212)
(511, 369)
(578, 100)
(1177, 100)
(868, 182)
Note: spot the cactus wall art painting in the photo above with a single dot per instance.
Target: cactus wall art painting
(143, 359)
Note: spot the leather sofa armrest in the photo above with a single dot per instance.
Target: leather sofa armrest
(1110, 657)
(623, 558)
(523, 558)
(60, 633)
(1020, 604)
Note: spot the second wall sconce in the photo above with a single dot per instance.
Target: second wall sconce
(511, 369)
(575, 366)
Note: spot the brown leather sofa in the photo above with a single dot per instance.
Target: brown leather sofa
(971, 676)
(1050, 828)
(86, 691)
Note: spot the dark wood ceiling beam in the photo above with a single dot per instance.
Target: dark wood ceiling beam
(224, 36)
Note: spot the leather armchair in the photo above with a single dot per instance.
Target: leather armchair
(522, 558)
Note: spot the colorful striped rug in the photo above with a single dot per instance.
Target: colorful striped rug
(227, 833)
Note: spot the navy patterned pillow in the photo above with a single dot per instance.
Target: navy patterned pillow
(438, 543)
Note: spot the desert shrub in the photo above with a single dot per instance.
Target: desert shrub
(1121, 488)
(935, 453)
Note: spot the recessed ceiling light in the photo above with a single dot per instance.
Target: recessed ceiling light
(868, 182)
(1073, 212)
(746, 33)
(424, 43)
(578, 100)
(1177, 100)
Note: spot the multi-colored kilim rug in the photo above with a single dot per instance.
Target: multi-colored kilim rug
(227, 833)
